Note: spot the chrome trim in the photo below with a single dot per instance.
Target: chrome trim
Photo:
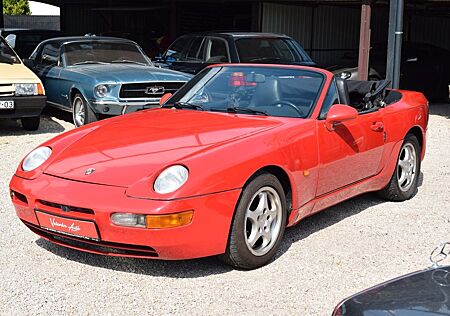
(126, 103)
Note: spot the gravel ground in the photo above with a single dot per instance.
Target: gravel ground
(322, 260)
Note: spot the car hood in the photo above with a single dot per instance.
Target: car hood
(118, 73)
(421, 293)
(16, 73)
(126, 149)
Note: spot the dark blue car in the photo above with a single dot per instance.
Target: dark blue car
(95, 77)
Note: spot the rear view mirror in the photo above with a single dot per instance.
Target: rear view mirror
(164, 98)
(339, 113)
(256, 78)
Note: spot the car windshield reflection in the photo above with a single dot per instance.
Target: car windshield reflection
(266, 90)
(80, 53)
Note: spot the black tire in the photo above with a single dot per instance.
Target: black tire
(31, 123)
(239, 253)
(85, 116)
(394, 191)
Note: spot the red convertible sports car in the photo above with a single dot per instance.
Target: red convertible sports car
(236, 155)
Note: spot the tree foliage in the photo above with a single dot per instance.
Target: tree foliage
(16, 7)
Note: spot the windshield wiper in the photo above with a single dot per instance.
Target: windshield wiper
(236, 109)
(89, 62)
(184, 105)
(129, 62)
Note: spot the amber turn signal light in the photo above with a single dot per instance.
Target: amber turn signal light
(40, 89)
(169, 221)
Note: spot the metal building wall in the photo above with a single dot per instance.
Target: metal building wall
(328, 33)
(43, 22)
(429, 29)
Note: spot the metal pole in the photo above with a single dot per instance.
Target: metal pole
(398, 45)
(364, 41)
(395, 38)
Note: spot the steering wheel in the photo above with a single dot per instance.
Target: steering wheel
(289, 104)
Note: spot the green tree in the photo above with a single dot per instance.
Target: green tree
(16, 7)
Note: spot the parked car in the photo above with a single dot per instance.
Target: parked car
(21, 92)
(24, 41)
(231, 159)
(424, 68)
(422, 293)
(191, 53)
(94, 76)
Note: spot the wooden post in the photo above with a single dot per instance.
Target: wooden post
(364, 41)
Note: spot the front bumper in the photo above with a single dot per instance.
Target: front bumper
(206, 235)
(122, 107)
(27, 106)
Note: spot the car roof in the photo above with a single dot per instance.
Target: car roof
(240, 34)
(73, 39)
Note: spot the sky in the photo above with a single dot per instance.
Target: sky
(38, 8)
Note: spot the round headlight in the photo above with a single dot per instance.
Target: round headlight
(36, 158)
(171, 179)
(101, 91)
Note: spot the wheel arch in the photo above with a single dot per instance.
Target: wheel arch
(420, 135)
(284, 179)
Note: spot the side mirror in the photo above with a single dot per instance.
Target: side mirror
(164, 98)
(28, 62)
(8, 59)
(339, 113)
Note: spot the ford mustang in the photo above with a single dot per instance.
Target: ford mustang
(224, 166)
(95, 76)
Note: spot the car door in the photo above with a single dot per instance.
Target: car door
(193, 61)
(175, 55)
(352, 151)
(216, 51)
(48, 68)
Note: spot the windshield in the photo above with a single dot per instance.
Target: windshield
(103, 52)
(7, 55)
(274, 50)
(273, 91)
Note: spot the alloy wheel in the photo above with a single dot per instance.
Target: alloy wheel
(406, 168)
(263, 221)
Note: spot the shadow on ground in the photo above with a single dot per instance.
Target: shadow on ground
(14, 127)
(442, 109)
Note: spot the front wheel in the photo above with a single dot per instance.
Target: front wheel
(82, 113)
(404, 181)
(258, 224)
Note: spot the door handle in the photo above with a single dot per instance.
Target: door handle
(377, 127)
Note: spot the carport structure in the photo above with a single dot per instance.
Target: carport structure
(329, 30)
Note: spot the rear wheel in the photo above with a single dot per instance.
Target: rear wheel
(81, 111)
(258, 224)
(31, 123)
(403, 184)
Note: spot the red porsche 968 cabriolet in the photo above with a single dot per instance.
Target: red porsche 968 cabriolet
(224, 166)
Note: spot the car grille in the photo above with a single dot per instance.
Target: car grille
(148, 89)
(93, 246)
(7, 90)
(66, 208)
